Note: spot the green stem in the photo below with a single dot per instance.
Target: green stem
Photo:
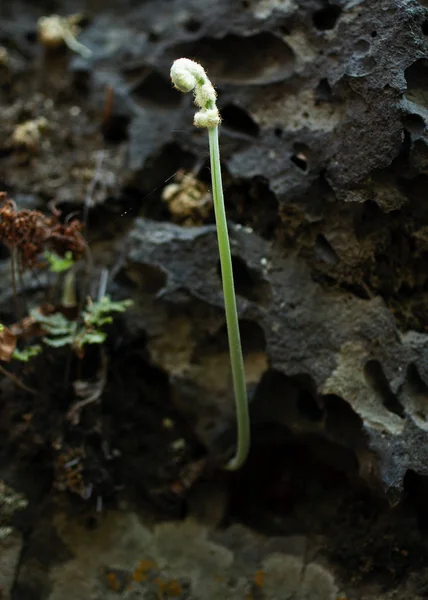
(236, 359)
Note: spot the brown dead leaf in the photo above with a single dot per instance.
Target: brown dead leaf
(7, 344)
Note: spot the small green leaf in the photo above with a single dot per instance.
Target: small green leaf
(62, 332)
(1, 327)
(59, 264)
(54, 324)
(97, 320)
(27, 353)
(93, 337)
(98, 314)
(59, 342)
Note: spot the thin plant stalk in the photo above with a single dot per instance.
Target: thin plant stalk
(235, 349)
(187, 76)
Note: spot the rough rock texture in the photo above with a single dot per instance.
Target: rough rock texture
(323, 148)
(324, 151)
(127, 558)
(10, 550)
(322, 140)
(130, 557)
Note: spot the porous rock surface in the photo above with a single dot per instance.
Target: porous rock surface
(324, 152)
(323, 146)
(130, 559)
(324, 155)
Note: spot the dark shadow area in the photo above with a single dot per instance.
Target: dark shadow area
(115, 128)
(417, 82)
(414, 124)
(252, 339)
(325, 251)
(326, 18)
(148, 462)
(376, 378)
(257, 59)
(239, 121)
(252, 203)
(300, 157)
(323, 92)
(156, 91)
(158, 170)
(249, 283)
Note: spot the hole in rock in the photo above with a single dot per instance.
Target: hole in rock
(361, 48)
(360, 66)
(257, 59)
(327, 17)
(237, 119)
(31, 36)
(154, 36)
(285, 476)
(308, 406)
(156, 90)
(287, 401)
(252, 339)
(425, 27)
(414, 124)
(421, 415)
(249, 283)
(278, 131)
(147, 278)
(417, 82)
(374, 34)
(300, 161)
(192, 25)
(418, 390)
(159, 169)
(416, 383)
(324, 251)
(406, 145)
(301, 157)
(281, 394)
(253, 203)
(323, 92)
(115, 128)
(285, 30)
(376, 378)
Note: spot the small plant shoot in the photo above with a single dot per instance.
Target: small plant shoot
(189, 76)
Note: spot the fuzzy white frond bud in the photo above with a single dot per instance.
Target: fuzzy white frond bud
(187, 75)
(182, 75)
(207, 118)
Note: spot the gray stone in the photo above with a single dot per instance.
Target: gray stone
(10, 552)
